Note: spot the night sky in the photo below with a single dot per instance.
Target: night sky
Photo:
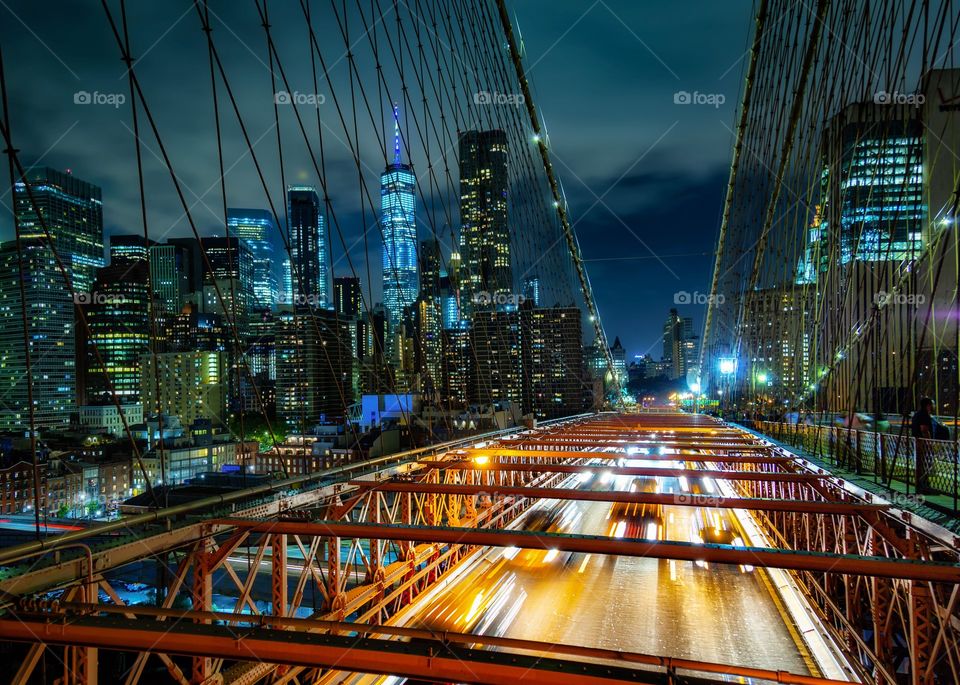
(645, 176)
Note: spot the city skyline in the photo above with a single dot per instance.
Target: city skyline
(654, 159)
(496, 341)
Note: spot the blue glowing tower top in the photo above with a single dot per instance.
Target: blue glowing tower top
(397, 205)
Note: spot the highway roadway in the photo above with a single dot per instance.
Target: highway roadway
(709, 613)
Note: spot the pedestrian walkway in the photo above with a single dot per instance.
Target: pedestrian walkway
(937, 507)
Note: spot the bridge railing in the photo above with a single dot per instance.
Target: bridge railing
(919, 466)
(225, 504)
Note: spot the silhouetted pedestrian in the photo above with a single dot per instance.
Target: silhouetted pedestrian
(922, 428)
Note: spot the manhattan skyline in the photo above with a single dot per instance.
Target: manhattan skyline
(639, 69)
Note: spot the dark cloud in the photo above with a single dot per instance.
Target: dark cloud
(643, 247)
(606, 77)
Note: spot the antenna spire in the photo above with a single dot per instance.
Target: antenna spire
(396, 134)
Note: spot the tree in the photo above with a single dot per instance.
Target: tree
(256, 427)
(63, 511)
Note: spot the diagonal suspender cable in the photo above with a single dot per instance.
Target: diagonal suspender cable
(813, 41)
(734, 169)
(568, 233)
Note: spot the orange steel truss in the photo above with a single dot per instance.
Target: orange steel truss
(319, 568)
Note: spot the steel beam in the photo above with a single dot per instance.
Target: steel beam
(666, 499)
(421, 653)
(824, 562)
(638, 471)
(429, 661)
(491, 452)
(561, 440)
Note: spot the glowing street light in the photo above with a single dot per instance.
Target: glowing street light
(728, 366)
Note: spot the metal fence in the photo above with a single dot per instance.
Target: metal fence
(881, 457)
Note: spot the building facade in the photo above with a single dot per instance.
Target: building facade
(309, 249)
(51, 336)
(256, 229)
(485, 269)
(118, 319)
(314, 368)
(554, 383)
(190, 385)
(71, 211)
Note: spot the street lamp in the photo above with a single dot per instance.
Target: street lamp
(727, 366)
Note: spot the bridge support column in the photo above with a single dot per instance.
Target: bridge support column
(333, 573)
(921, 633)
(201, 599)
(80, 663)
(278, 574)
(880, 609)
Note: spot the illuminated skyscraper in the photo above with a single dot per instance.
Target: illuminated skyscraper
(192, 385)
(554, 383)
(872, 205)
(50, 322)
(680, 345)
(348, 305)
(531, 290)
(256, 228)
(168, 271)
(619, 356)
(347, 298)
(457, 366)
(231, 269)
(485, 269)
(497, 372)
(428, 342)
(457, 363)
(314, 382)
(129, 249)
(310, 270)
(192, 330)
(118, 315)
(73, 215)
(397, 205)
(428, 319)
